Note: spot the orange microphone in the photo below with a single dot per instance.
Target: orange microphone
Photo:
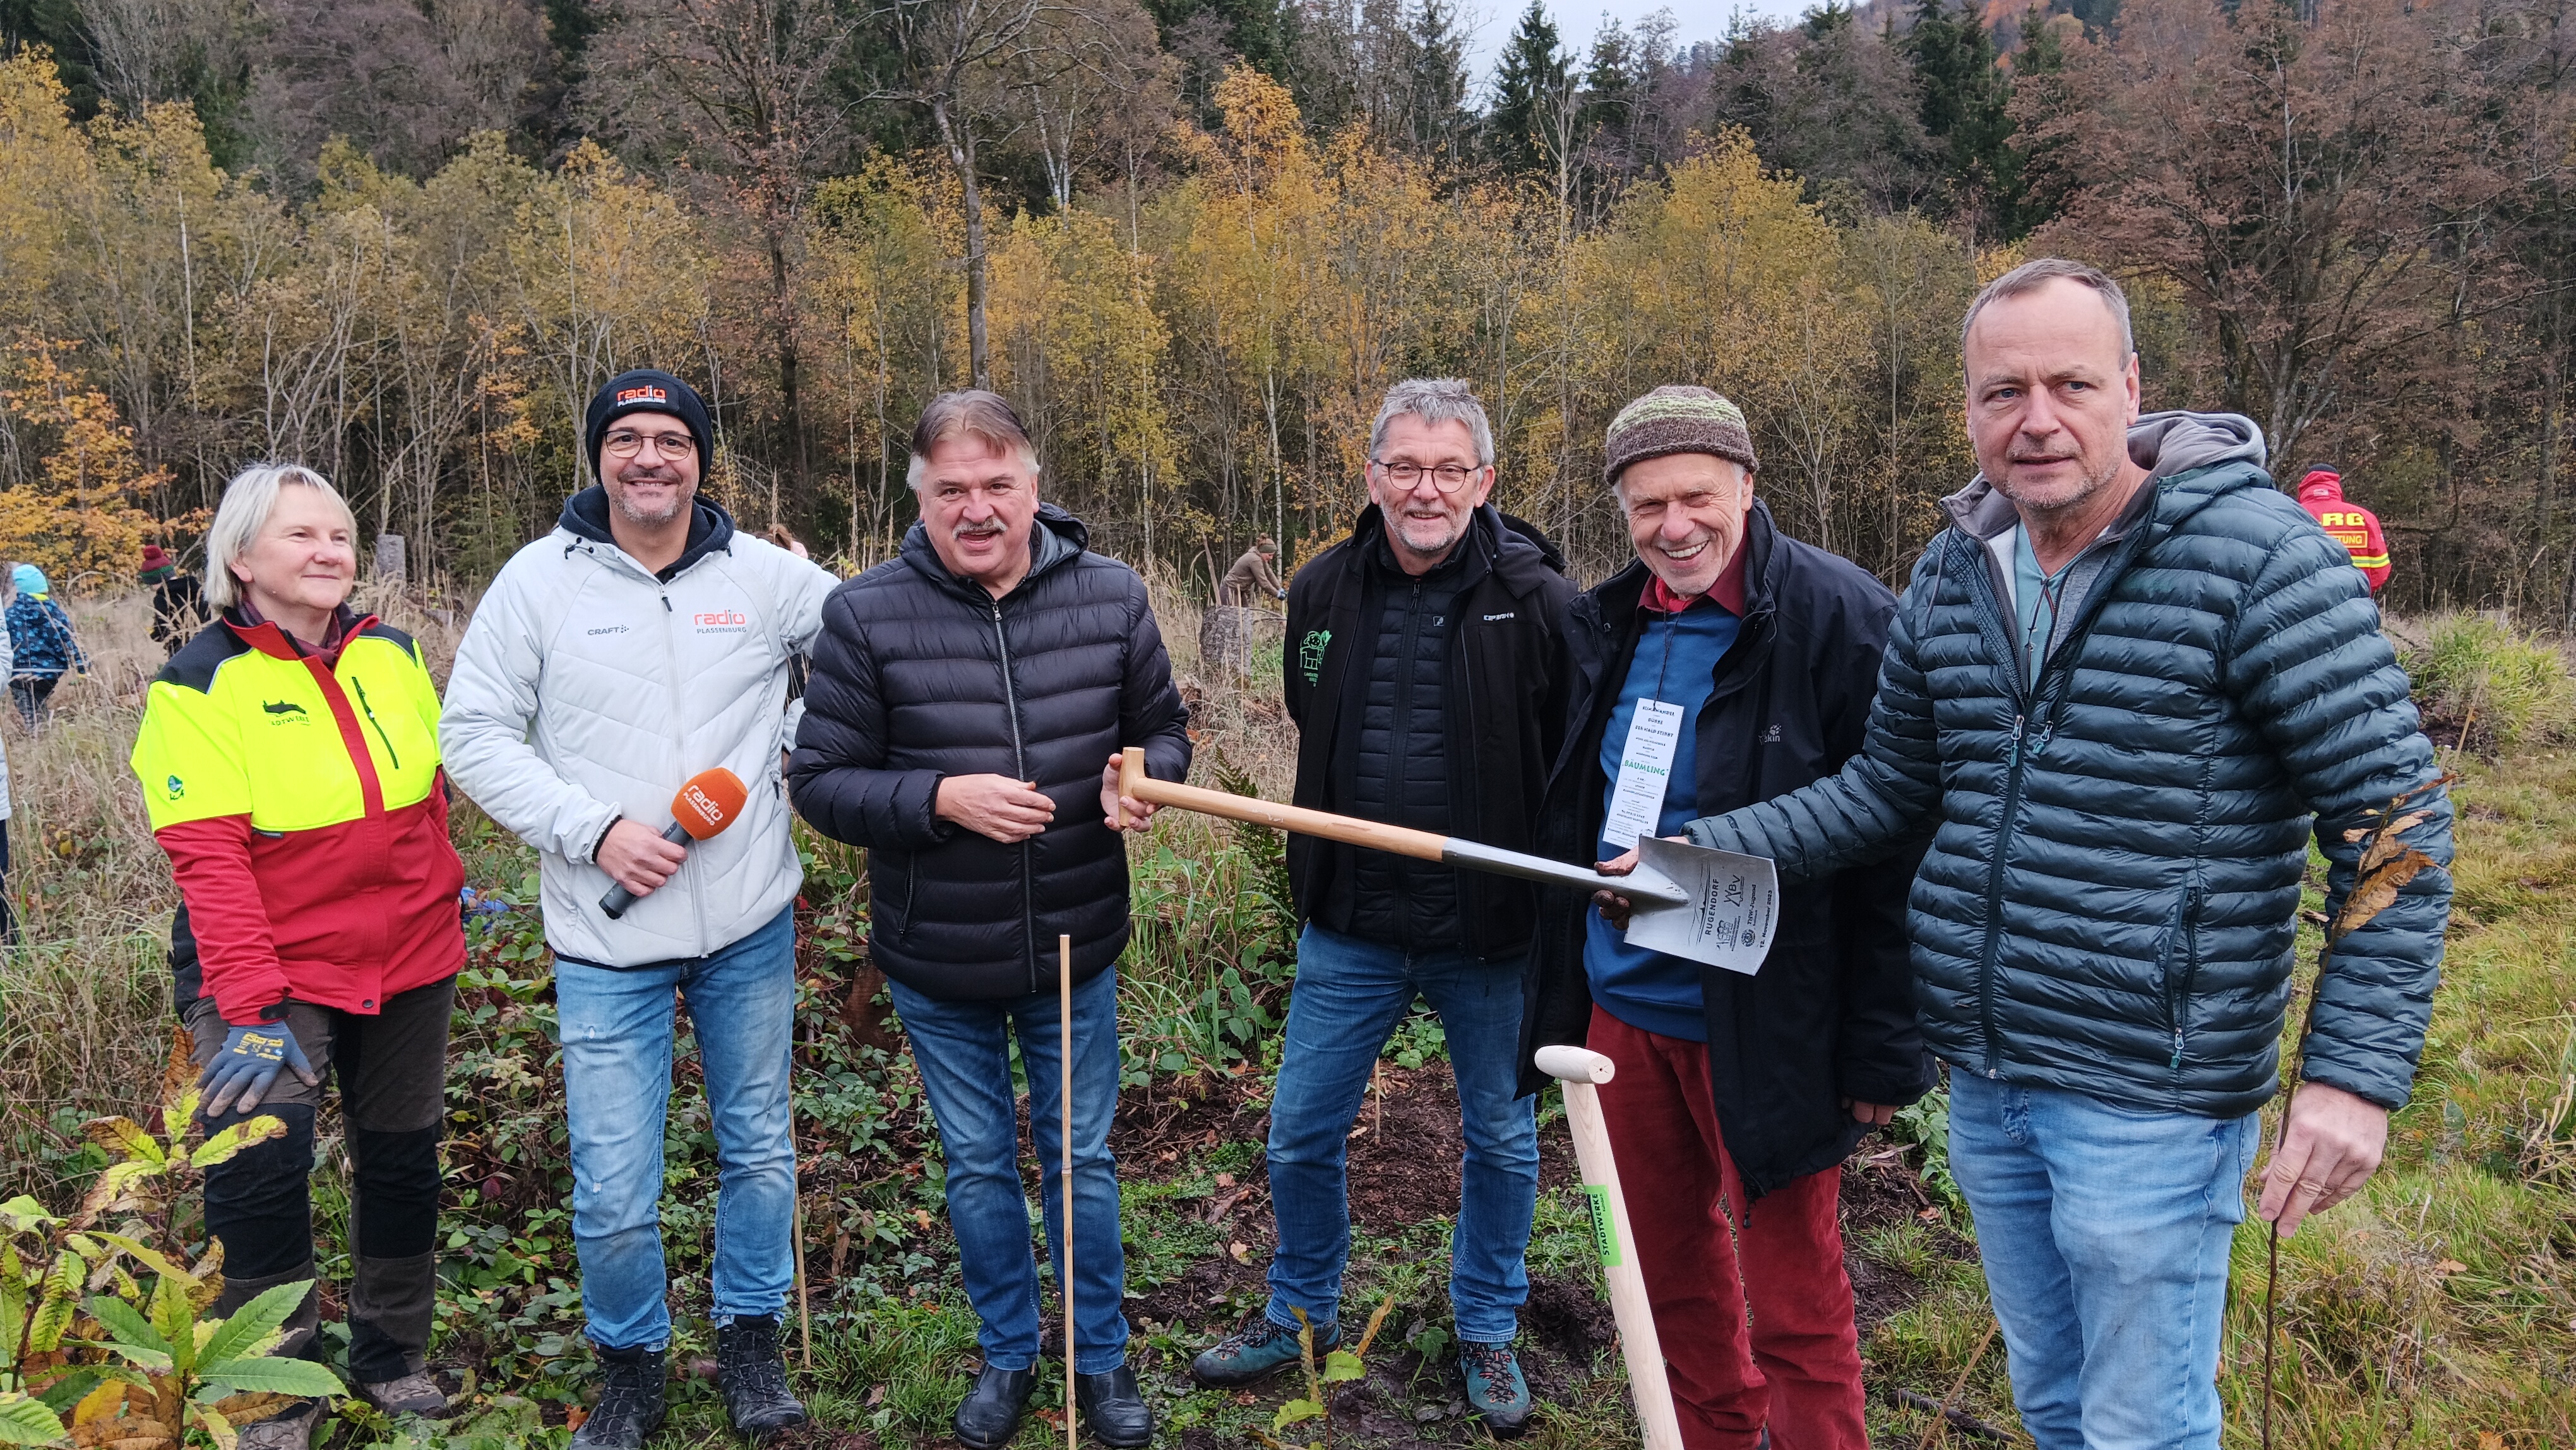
(706, 805)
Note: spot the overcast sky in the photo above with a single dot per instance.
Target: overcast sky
(1577, 19)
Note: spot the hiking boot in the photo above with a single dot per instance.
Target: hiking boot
(1257, 1351)
(752, 1373)
(290, 1430)
(415, 1394)
(1495, 1389)
(991, 1414)
(630, 1401)
(1112, 1409)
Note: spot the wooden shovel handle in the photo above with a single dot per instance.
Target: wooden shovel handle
(1135, 784)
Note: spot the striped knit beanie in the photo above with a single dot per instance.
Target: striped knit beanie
(1677, 418)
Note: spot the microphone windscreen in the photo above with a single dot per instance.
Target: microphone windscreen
(709, 802)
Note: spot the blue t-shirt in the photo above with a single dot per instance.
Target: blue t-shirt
(1676, 658)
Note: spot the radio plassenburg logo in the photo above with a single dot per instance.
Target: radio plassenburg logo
(708, 809)
(646, 394)
(721, 621)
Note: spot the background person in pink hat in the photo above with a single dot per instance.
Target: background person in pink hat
(178, 604)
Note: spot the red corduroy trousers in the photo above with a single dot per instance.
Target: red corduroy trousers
(1796, 1368)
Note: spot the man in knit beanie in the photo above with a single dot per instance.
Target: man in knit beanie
(1726, 665)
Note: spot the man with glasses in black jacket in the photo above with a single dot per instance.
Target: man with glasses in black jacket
(1426, 673)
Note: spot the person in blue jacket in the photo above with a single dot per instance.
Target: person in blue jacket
(2122, 691)
(41, 645)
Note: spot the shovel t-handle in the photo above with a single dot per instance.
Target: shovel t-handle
(1579, 1071)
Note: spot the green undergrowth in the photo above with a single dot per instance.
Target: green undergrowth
(2435, 1310)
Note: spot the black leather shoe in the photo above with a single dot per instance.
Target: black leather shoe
(752, 1373)
(991, 1414)
(1112, 1409)
(630, 1401)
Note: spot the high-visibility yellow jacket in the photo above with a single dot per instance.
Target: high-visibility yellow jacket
(301, 801)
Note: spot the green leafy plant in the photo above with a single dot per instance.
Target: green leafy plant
(1339, 1366)
(132, 1355)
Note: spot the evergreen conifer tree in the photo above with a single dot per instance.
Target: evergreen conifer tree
(1533, 80)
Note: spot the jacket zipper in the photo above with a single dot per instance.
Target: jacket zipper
(370, 712)
(679, 720)
(2026, 699)
(1019, 767)
(2186, 940)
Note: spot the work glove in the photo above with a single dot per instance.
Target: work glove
(248, 1063)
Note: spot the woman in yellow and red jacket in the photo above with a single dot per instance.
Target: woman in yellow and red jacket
(289, 758)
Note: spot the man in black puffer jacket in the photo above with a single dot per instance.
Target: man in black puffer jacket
(1426, 673)
(967, 706)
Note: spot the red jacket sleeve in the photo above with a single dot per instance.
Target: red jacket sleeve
(2378, 572)
(235, 948)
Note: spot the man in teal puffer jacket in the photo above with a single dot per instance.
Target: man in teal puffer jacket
(2119, 693)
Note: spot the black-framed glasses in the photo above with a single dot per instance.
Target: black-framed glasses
(1447, 477)
(626, 443)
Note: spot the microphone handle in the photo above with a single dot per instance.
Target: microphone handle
(618, 897)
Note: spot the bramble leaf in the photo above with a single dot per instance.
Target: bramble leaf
(1295, 1411)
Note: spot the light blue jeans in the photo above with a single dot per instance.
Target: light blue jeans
(1350, 997)
(616, 1026)
(2104, 1230)
(964, 1052)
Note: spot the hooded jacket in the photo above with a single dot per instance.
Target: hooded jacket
(2348, 524)
(1830, 1015)
(589, 687)
(1501, 713)
(2108, 903)
(921, 675)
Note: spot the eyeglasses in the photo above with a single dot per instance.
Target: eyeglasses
(1448, 477)
(626, 443)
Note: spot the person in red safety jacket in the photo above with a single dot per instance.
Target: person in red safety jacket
(289, 761)
(2347, 523)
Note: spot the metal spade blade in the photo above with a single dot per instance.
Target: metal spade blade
(1688, 901)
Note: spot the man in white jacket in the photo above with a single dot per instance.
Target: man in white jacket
(641, 642)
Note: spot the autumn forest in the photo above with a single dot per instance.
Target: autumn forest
(1195, 240)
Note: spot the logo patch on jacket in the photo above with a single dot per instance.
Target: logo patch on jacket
(1310, 653)
(284, 711)
(176, 789)
(642, 395)
(721, 621)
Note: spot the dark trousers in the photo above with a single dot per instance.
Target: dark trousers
(1798, 1368)
(32, 692)
(392, 1072)
(8, 918)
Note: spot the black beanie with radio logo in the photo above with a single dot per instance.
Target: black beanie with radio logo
(649, 390)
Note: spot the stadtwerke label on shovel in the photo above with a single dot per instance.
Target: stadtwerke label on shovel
(1732, 905)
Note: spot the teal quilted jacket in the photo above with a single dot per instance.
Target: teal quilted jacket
(2108, 902)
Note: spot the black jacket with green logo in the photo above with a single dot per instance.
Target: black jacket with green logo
(1502, 711)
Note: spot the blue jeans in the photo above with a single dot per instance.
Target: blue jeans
(2104, 1230)
(616, 1029)
(1350, 997)
(964, 1051)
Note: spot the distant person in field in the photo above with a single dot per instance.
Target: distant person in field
(969, 702)
(289, 760)
(2125, 689)
(1252, 576)
(42, 646)
(645, 640)
(178, 605)
(2347, 523)
(8, 917)
(1427, 673)
(1737, 1098)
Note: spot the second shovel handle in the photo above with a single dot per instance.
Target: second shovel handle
(1135, 784)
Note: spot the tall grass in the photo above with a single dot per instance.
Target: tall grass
(2481, 680)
